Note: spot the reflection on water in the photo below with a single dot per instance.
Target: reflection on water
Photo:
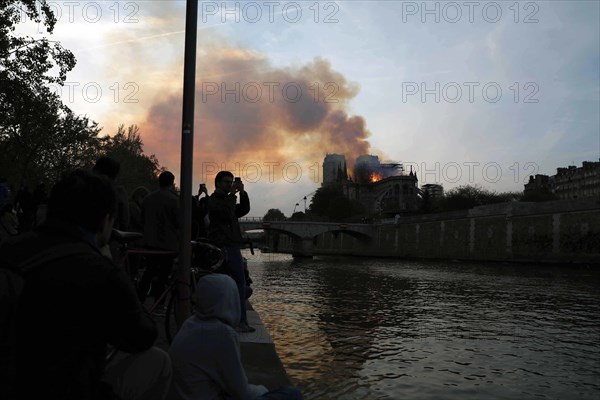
(353, 328)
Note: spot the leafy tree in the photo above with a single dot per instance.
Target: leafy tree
(40, 139)
(39, 136)
(27, 59)
(72, 144)
(330, 202)
(539, 195)
(467, 196)
(137, 168)
(319, 204)
(298, 216)
(274, 214)
(341, 208)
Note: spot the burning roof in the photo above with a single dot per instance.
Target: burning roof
(368, 169)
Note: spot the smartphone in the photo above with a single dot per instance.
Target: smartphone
(202, 187)
(237, 179)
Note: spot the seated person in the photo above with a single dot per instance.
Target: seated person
(206, 350)
(75, 302)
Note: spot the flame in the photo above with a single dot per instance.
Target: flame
(375, 177)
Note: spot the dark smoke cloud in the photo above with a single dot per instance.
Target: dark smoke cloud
(259, 126)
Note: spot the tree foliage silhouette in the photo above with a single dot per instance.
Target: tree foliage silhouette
(137, 168)
(468, 196)
(274, 214)
(39, 136)
(330, 202)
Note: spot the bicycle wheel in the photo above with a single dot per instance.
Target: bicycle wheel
(170, 320)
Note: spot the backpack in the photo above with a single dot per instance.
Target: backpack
(12, 281)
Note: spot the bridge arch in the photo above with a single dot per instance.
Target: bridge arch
(304, 234)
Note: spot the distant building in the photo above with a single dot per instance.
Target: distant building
(573, 182)
(434, 191)
(368, 169)
(389, 196)
(334, 169)
(383, 188)
(538, 183)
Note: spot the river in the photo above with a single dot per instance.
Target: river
(359, 328)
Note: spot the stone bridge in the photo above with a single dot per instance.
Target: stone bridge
(304, 233)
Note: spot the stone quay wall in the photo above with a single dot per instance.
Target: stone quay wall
(562, 231)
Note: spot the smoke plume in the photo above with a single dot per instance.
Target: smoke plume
(250, 111)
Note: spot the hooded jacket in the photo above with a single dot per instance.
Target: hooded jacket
(206, 351)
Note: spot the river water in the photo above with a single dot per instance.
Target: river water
(360, 328)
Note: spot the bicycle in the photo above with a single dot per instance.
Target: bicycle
(206, 258)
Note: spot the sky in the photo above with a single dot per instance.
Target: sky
(468, 92)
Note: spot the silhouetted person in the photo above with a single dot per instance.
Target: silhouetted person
(224, 231)
(160, 215)
(75, 302)
(206, 350)
(110, 168)
(135, 209)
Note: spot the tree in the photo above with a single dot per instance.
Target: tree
(26, 59)
(319, 203)
(40, 139)
(137, 168)
(467, 196)
(538, 195)
(298, 216)
(330, 202)
(341, 208)
(274, 214)
(39, 135)
(74, 143)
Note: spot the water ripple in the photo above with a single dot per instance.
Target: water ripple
(381, 329)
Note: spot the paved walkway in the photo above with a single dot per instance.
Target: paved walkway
(260, 359)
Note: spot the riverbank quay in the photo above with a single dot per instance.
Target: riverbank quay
(565, 231)
(259, 355)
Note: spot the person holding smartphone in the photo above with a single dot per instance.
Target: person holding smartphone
(224, 231)
(200, 213)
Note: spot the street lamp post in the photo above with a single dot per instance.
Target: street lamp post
(294, 212)
(183, 308)
(304, 204)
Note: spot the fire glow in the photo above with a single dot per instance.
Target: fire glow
(375, 177)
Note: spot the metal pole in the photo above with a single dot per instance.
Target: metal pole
(183, 308)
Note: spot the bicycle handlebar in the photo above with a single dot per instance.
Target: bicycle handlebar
(211, 254)
(123, 237)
